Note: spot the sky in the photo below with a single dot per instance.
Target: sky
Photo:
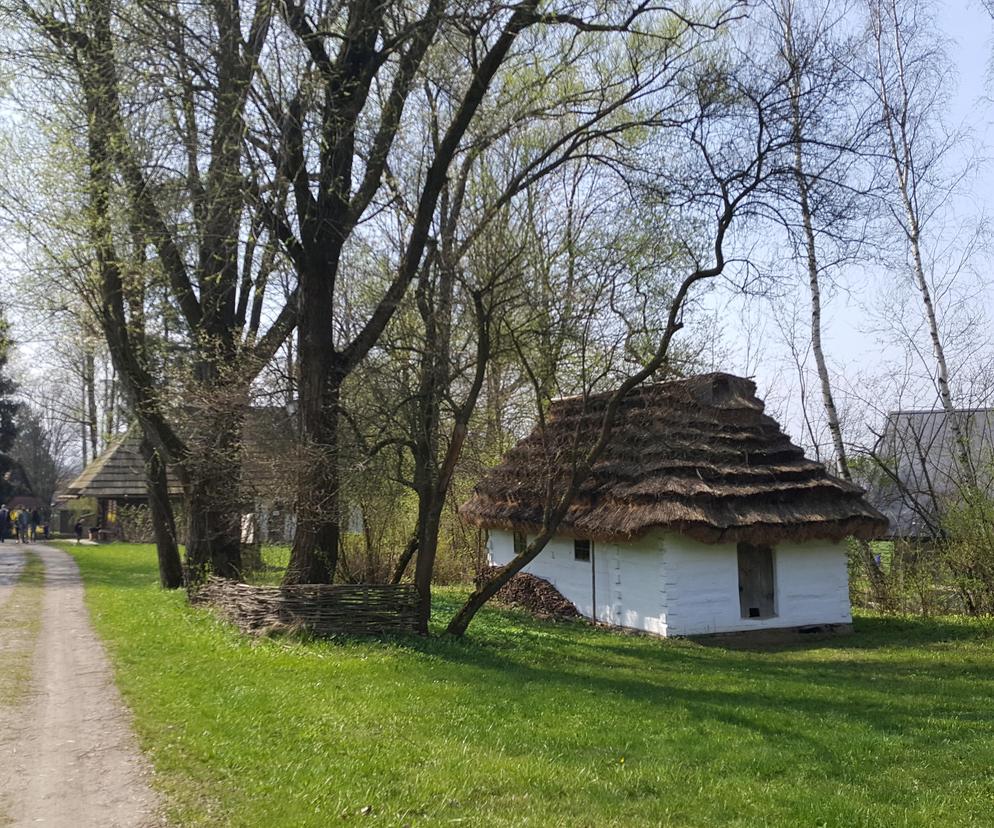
(864, 361)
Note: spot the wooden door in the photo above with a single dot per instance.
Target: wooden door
(756, 588)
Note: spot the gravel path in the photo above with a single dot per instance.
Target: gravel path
(68, 756)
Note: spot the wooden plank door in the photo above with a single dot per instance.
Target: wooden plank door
(756, 588)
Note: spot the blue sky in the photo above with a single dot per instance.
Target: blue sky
(859, 356)
(867, 365)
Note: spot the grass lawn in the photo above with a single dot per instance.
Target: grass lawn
(20, 623)
(529, 723)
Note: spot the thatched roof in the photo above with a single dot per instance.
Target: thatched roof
(696, 456)
(119, 473)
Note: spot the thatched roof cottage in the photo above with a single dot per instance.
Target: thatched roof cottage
(700, 517)
(117, 477)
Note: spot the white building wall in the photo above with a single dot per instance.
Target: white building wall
(671, 585)
(627, 578)
(810, 584)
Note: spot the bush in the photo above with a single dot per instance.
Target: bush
(950, 575)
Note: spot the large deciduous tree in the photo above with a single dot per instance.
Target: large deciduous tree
(171, 146)
(348, 139)
(725, 158)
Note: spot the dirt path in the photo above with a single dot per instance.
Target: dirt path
(68, 756)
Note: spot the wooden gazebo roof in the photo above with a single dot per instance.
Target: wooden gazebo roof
(118, 473)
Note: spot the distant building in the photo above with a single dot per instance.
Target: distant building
(919, 469)
(116, 478)
(701, 516)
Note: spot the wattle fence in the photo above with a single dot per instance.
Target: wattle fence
(319, 609)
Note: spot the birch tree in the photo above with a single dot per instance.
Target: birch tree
(831, 133)
(909, 78)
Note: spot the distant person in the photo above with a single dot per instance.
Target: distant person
(4, 522)
(14, 513)
(78, 529)
(35, 520)
(23, 519)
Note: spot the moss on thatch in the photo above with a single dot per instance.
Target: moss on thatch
(696, 456)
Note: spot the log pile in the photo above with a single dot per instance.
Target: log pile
(318, 609)
(534, 594)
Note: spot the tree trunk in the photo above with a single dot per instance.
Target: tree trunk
(314, 557)
(163, 521)
(878, 582)
(405, 558)
(110, 413)
(90, 405)
(429, 520)
(476, 601)
(84, 444)
(907, 177)
(213, 536)
(213, 497)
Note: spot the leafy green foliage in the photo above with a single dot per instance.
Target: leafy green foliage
(543, 724)
(968, 550)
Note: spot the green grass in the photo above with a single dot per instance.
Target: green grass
(529, 723)
(274, 563)
(20, 623)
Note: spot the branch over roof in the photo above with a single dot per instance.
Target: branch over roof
(695, 456)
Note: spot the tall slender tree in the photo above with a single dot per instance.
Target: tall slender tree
(212, 263)
(909, 80)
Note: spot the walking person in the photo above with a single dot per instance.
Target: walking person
(35, 520)
(4, 522)
(78, 529)
(23, 519)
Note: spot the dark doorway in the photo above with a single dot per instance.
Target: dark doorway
(756, 581)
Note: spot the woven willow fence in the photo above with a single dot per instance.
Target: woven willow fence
(320, 609)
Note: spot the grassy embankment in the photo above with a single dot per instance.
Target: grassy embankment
(20, 624)
(529, 723)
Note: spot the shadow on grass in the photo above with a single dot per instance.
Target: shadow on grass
(896, 667)
(888, 676)
(900, 685)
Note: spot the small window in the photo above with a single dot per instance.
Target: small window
(520, 542)
(581, 550)
(756, 598)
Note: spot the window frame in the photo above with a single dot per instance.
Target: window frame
(583, 556)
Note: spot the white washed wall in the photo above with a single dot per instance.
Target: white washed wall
(628, 582)
(811, 586)
(676, 586)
